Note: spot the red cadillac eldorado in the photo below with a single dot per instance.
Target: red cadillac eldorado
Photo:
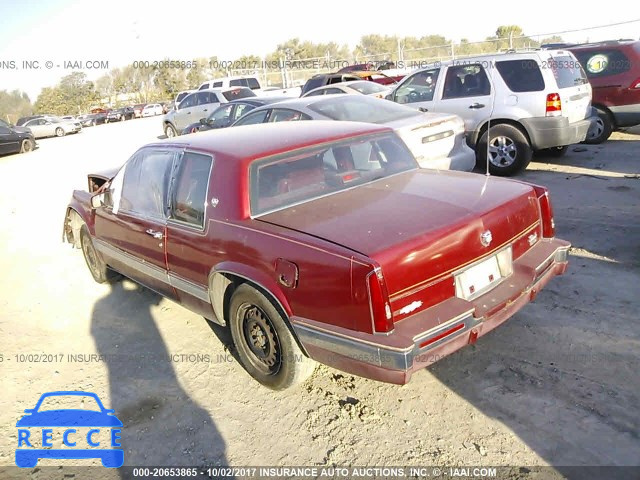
(320, 241)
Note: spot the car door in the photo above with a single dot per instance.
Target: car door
(466, 91)
(37, 127)
(130, 227)
(186, 112)
(207, 103)
(418, 90)
(190, 255)
(222, 116)
(9, 141)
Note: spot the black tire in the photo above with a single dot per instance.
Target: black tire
(59, 132)
(27, 145)
(511, 152)
(265, 345)
(556, 152)
(601, 130)
(99, 270)
(170, 131)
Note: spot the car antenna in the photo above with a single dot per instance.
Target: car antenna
(493, 104)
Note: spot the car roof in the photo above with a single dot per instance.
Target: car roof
(255, 141)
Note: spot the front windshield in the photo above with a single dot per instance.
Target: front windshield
(286, 180)
(358, 108)
(4, 124)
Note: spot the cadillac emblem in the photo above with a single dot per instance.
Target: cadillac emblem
(485, 238)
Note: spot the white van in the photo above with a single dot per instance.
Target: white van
(252, 83)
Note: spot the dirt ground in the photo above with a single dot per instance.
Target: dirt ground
(557, 385)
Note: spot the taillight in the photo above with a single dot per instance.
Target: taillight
(381, 314)
(554, 105)
(635, 85)
(548, 224)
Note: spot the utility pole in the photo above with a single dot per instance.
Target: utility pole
(510, 39)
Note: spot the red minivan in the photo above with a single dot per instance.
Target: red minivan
(613, 68)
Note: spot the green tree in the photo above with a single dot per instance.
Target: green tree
(14, 104)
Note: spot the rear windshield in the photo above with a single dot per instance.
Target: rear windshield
(521, 75)
(567, 72)
(603, 63)
(313, 83)
(237, 93)
(362, 109)
(367, 88)
(294, 178)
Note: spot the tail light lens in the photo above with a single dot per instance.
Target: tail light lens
(635, 85)
(554, 105)
(381, 314)
(548, 225)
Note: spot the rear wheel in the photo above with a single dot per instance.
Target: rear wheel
(509, 151)
(170, 131)
(27, 145)
(601, 129)
(264, 342)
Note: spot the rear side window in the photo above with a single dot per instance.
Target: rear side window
(521, 75)
(466, 81)
(190, 189)
(238, 93)
(239, 82)
(567, 72)
(602, 63)
(253, 84)
(216, 84)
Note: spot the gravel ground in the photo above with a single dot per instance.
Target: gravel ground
(557, 385)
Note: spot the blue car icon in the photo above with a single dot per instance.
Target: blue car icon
(69, 419)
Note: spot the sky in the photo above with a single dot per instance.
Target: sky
(119, 32)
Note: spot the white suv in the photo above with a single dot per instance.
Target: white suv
(535, 100)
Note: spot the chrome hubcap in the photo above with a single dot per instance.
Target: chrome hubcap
(502, 151)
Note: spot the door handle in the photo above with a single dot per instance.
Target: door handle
(476, 105)
(422, 109)
(154, 234)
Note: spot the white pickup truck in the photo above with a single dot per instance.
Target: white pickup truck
(253, 84)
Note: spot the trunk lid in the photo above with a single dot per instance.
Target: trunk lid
(419, 224)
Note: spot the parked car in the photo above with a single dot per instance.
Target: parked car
(15, 139)
(152, 110)
(250, 82)
(121, 114)
(321, 241)
(197, 105)
(435, 139)
(228, 113)
(536, 100)
(52, 126)
(92, 119)
(137, 109)
(613, 68)
(322, 79)
(359, 87)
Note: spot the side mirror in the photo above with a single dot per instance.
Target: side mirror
(97, 200)
(204, 121)
(389, 97)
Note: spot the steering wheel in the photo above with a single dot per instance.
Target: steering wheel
(414, 96)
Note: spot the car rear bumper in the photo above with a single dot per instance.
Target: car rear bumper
(393, 358)
(626, 115)
(549, 132)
